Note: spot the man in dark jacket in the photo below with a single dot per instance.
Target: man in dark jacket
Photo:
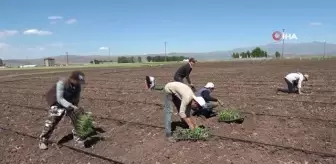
(211, 102)
(184, 72)
(62, 98)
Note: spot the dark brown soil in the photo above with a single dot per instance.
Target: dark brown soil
(278, 128)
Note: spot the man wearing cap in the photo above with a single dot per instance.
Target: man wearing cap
(184, 72)
(150, 83)
(184, 100)
(211, 102)
(62, 98)
(294, 82)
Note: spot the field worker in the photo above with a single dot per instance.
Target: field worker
(62, 98)
(294, 82)
(184, 100)
(211, 102)
(184, 72)
(150, 83)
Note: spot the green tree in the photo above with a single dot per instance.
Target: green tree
(277, 54)
(139, 59)
(149, 58)
(1, 63)
(248, 54)
(257, 52)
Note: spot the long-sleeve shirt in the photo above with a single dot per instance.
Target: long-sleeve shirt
(207, 97)
(295, 77)
(59, 94)
(183, 92)
(184, 72)
(63, 93)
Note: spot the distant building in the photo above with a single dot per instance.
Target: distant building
(49, 62)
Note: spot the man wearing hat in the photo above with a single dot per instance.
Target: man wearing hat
(184, 72)
(184, 100)
(211, 102)
(62, 98)
(294, 82)
(150, 84)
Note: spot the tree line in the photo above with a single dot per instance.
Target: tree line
(165, 58)
(95, 61)
(129, 59)
(255, 53)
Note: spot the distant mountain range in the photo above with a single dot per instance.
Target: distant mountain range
(290, 49)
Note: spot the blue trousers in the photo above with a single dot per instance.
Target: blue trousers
(168, 111)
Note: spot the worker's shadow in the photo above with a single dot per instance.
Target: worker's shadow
(92, 138)
(181, 124)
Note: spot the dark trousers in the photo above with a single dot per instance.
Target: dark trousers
(291, 87)
(178, 79)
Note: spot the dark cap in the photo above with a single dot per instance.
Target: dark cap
(78, 75)
(192, 60)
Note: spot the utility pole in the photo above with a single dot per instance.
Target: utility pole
(283, 42)
(67, 58)
(165, 44)
(109, 53)
(324, 48)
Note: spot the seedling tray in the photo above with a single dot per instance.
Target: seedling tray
(230, 116)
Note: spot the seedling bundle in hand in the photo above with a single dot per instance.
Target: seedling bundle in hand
(194, 135)
(84, 125)
(230, 115)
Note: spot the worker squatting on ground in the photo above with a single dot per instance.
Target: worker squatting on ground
(184, 72)
(211, 102)
(294, 83)
(150, 83)
(184, 100)
(62, 99)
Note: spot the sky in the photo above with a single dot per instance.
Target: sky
(42, 28)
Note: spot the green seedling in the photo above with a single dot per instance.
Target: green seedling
(195, 134)
(84, 125)
(229, 115)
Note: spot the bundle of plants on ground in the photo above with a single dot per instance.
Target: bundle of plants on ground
(84, 125)
(193, 135)
(230, 115)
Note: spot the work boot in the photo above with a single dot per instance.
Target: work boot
(43, 145)
(78, 141)
(171, 139)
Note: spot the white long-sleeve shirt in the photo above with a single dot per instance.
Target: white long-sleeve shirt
(183, 92)
(295, 77)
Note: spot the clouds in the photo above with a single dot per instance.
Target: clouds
(103, 48)
(8, 33)
(71, 21)
(56, 19)
(3, 45)
(36, 32)
(315, 24)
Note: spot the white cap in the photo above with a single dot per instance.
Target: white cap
(200, 100)
(210, 85)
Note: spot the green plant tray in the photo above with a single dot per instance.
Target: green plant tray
(237, 120)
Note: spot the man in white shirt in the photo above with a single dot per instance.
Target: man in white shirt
(184, 100)
(294, 82)
(150, 83)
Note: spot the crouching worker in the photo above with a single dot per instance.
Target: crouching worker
(184, 100)
(150, 83)
(62, 98)
(211, 102)
(294, 83)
